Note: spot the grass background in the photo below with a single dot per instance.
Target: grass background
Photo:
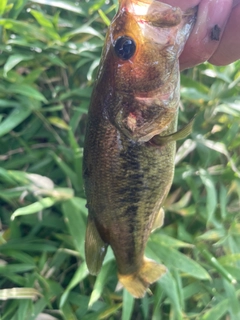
(49, 52)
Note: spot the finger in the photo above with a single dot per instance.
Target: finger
(200, 46)
(184, 4)
(229, 47)
(235, 2)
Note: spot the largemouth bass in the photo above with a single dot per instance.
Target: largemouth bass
(131, 137)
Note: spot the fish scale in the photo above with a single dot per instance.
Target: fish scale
(131, 138)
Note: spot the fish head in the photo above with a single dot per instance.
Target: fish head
(140, 66)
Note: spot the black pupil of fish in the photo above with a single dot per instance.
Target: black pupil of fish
(125, 47)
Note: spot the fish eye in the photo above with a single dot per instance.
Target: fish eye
(125, 47)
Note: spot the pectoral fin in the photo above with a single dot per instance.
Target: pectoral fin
(178, 135)
(95, 248)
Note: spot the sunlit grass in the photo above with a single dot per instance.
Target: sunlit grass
(49, 55)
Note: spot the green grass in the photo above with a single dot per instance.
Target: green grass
(48, 60)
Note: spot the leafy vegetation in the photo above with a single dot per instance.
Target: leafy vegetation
(49, 54)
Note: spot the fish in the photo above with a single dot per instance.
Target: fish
(130, 141)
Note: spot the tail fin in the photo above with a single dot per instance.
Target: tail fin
(138, 283)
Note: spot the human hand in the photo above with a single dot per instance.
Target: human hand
(200, 47)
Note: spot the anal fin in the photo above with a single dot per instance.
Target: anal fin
(95, 248)
(159, 219)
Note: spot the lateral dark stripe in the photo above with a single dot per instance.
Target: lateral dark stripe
(134, 183)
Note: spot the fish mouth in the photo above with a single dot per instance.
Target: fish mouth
(135, 6)
(145, 10)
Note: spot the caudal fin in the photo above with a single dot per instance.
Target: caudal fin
(138, 283)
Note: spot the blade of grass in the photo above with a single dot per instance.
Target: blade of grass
(128, 304)
(19, 293)
(34, 207)
(168, 285)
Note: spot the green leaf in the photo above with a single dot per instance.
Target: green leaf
(26, 90)
(48, 25)
(19, 293)
(97, 5)
(55, 60)
(104, 18)
(229, 258)
(16, 268)
(13, 60)
(234, 305)
(3, 4)
(82, 93)
(34, 207)
(220, 147)
(21, 256)
(192, 94)
(41, 19)
(168, 285)
(81, 30)
(38, 307)
(7, 177)
(212, 235)
(100, 283)
(166, 240)
(223, 201)
(68, 172)
(17, 116)
(24, 29)
(188, 82)
(215, 263)
(93, 66)
(23, 309)
(109, 311)
(229, 108)
(50, 50)
(217, 312)
(174, 259)
(158, 298)
(79, 275)
(66, 5)
(216, 74)
(60, 123)
(4, 103)
(75, 214)
(128, 303)
(68, 313)
(211, 194)
(17, 8)
(78, 155)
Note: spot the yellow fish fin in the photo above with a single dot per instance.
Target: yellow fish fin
(137, 283)
(95, 248)
(159, 219)
(178, 135)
